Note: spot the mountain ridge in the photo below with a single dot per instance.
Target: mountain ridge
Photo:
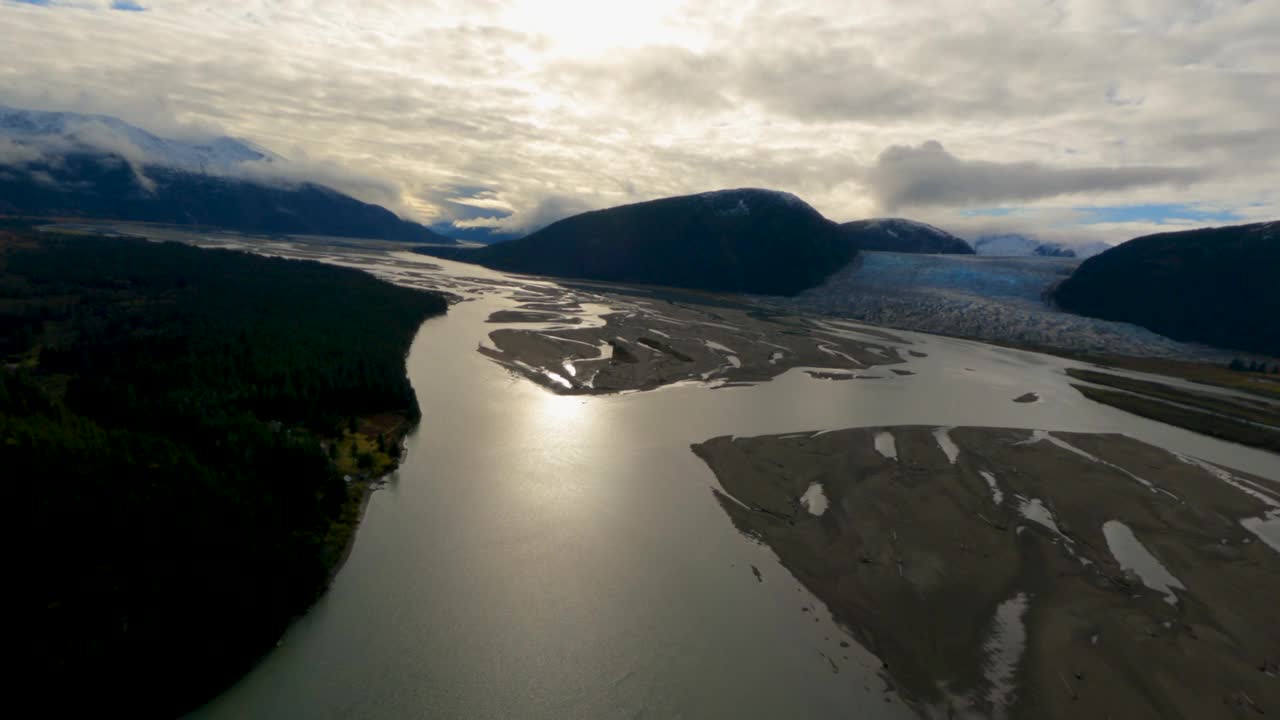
(741, 240)
(44, 128)
(904, 235)
(100, 167)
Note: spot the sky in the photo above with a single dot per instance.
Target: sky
(1072, 119)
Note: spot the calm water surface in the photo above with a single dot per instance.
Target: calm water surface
(540, 556)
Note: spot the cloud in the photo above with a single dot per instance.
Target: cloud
(551, 105)
(925, 175)
(540, 214)
(17, 154)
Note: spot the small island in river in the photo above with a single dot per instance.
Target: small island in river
(197, 431)
(651, 337)
(1026, 574)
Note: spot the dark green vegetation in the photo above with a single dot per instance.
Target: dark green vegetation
(907, 236)
(1258, 411)
(753, 241)
(1253, 366)
(180, 420)
(1248, 422)
(106, 187)
(1263, 386)
(1219, 286)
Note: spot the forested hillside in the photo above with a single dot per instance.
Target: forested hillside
(746, 240)
(1216, 286)
(181, 421)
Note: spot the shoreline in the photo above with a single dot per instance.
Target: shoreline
(367, 487)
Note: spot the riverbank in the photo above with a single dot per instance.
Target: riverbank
(379, 440)
(996, 572)
(1236, 419)
(206, 425)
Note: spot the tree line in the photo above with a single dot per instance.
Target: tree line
(166, 410)
(1253, 366)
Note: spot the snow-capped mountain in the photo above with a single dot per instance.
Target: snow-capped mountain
(902, 235)
(60, 132)
(1020, 245)
(57, 164)
(736, 201)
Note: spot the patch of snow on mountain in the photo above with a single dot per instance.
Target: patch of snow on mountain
(905, 224)
(1022, 245)
(56, 133)
(741, 201)
(1005, 245)
(736, 210)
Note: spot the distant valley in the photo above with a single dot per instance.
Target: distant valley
(908, 274)
(1145, 297)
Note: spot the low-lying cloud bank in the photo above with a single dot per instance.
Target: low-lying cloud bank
(929, 176)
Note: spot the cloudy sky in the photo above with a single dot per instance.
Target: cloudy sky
(1076, 119)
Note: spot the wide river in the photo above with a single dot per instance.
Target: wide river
(542, 556)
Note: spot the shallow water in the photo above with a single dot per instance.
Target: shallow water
(1004, 649)
(997, 495)
(1034, 510)
(814, 499)
(546, 556)
(886, 445)
(1132, 555)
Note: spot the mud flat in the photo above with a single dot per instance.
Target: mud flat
(645, 343)
(1020, 574)
(531, 316)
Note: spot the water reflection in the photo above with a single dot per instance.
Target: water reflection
(546, 556)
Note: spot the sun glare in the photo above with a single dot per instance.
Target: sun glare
(582, 28)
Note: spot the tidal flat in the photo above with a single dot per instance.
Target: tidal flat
(1026, 574)
(640, 343)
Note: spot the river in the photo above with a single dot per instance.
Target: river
(547, 556)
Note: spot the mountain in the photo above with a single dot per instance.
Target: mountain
(107, 187)
(1020, 245)
(901, 235)
(70, 165)
(105, 133)
(746, 240)
(1218, 286)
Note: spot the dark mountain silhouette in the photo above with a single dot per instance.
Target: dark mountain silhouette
(105, 186)
(901, 235)
(747, 240)
(1219, 286)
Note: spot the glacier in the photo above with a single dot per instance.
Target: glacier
(1003, 299)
